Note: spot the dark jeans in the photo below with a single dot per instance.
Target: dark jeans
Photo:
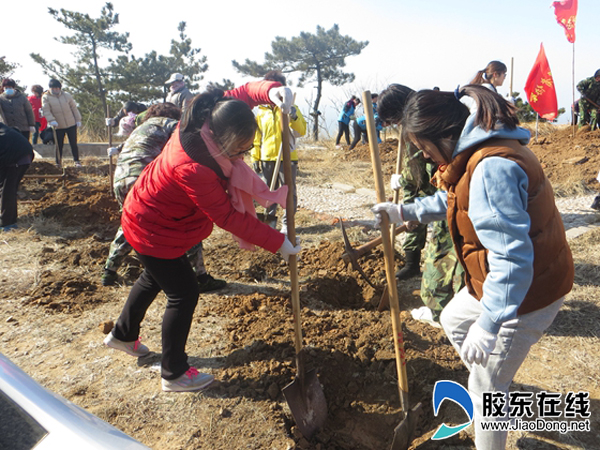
(10, 177)
(36, 135)
(358, 132)
(71, 133)
(178, 281)
(344, 129)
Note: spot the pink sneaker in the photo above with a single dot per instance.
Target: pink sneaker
(135, 348)
(192, 380)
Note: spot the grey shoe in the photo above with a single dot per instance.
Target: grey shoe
(135, 348)
(192, 380)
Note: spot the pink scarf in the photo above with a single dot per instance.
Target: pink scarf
(243, 185)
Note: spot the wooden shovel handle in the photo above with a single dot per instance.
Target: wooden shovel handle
(291, 228)
(110, 159)
(388, 251)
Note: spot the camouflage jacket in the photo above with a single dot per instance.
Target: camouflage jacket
(590, 88)
(417, 173)
(143, 145)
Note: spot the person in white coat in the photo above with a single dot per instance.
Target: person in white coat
(60, 110)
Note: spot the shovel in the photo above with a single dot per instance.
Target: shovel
(404, 432)
(304, 395)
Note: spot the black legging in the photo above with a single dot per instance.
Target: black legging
(71, 133)
(358, 132)
(344, 128)
(178, 281)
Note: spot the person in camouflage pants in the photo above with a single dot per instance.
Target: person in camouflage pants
(590, 100)
(442, 272)
(143, 145)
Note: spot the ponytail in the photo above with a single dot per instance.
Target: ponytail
(200, 109)
(491, 108)
(231, 121)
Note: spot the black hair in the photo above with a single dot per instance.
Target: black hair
(168, 110)
(37, 89)
(9, 82)
(391, 102)
(597, 74)
(440, 116)
(231, 121)
(275, 75)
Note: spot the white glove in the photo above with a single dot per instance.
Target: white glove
(288, 249)
(393, 211)
(282, 96)
(112, 151)
(53, 124)
(78, 124)
(32, 129)
(109, 122)
(478, 345)
(396, 182)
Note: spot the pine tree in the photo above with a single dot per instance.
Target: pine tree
(317, 57)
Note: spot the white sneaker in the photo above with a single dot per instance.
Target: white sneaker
(192, 380)
(135, 348)
(424, 314)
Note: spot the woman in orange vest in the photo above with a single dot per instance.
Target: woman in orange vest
(505, 227)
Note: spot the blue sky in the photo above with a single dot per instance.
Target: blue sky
(419, 43)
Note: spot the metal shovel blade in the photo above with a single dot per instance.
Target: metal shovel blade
(404, 432)
(306, 400)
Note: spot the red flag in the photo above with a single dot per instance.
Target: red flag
(540, 88)
(566, 14)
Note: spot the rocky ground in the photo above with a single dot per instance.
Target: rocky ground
(54, 313)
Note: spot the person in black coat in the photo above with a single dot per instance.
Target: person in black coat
(16, 154)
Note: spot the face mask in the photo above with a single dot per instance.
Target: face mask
(55, 91)
(9, 91)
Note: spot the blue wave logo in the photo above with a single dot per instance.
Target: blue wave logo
(452, 391)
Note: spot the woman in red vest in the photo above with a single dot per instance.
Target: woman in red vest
(506, 229)
(38, 114)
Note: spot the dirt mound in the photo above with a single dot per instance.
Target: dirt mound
(567, 161)
(570, 163)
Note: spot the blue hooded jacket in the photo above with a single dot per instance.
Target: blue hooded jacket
(498, 210)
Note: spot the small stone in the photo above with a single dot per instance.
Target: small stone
(106, 326)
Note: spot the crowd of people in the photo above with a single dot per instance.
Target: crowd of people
(496, 268)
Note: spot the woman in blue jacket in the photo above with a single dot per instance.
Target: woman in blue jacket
(344, 119)
(506, 229)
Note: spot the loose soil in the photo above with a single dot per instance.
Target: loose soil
(55, 313)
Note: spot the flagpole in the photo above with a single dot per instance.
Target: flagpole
(512, 65)
(537, 121)
(573, 86)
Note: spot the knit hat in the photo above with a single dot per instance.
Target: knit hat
(54, 83)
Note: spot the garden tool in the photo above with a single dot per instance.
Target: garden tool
(110, 160)
(364, 248)
(404, 432)
(384, 301)
(304, 395)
